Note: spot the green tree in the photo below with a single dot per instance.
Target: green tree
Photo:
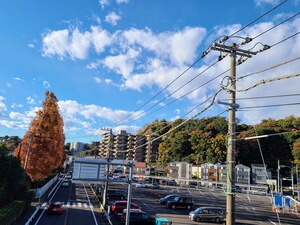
(296, 152)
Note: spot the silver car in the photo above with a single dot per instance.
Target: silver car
(216, 214)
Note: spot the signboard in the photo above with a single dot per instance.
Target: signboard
(278, 201)
(86, 169)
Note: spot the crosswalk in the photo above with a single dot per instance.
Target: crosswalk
(73, 204)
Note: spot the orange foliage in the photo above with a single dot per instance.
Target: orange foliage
(47, 148)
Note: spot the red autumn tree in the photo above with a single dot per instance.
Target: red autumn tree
(47, 141)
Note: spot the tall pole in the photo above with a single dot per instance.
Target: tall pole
(292, 171)
(27, 156)
(105, 185)
(129, 194)
(230, 198)
(278, 176)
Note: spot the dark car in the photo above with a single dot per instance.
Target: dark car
(115, 194)
(238, 189)
(138, 217)
(172, 183)
(181, 202)
(167, 198)
(216, 214)
(119, 206)
(54, 208)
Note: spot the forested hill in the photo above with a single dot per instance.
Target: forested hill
(205, 140)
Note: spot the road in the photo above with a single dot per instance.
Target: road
(79, 207)
(250, 209)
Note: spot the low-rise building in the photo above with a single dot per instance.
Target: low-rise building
(209, 172)
(180, 170)
(259, 174)
(242, 174)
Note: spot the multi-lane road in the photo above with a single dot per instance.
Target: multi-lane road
(250, 209)
(79, 207)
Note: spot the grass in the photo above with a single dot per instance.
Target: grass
(10, 211)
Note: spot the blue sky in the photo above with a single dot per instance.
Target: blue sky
(104, 59)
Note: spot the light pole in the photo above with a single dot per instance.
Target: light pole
(27, 156)
(292, 176)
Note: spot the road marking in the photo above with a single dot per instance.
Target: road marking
(68, 204)
(177, 190)
(44, 204)
(74, 204)
(272, 222)
(85, 205)
(90, 204)
(213, 194)
(248, 198)
(46, 207)
(79, 204)
(146, 204)
(253, 208)
(201, 192)
(189, 191)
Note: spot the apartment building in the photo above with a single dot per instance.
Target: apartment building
(180, 170)
(242, 174)
(127, 146)
(260, 174)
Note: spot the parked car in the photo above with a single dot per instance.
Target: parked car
(216, 214)
(238, 189)
(167, 198)
(115, 194)
(153, 186)
(54, 208)
(138, 217)
(181, 202)
(140, 185)
(65, 183)
(119, 206)
(172, 183)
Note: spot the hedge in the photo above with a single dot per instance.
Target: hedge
(10, 212)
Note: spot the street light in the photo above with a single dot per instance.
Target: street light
(292, 175)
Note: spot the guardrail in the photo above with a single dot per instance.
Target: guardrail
(41, 191)
(33, 215)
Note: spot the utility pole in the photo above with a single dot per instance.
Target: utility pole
(278, 176)
(129, 194)
(292, 171)
(27, 156)
(231, 177)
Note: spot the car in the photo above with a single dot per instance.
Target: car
(54, 208)
(238, 189)
(65, 183)
(119, 206)
(216, 214)
(138, 217)
(140, 185)
(167, 198)
(172, 183)
(181, 202)
(68, 176)
(115, 194)
(155, 186)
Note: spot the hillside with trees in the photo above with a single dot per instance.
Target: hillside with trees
(205, 140)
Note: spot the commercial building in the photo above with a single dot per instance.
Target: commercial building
(76, 147)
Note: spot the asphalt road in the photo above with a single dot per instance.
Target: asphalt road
(250, 209)
(79, 207)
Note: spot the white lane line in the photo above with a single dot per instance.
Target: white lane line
(79, 204)
(189, 191)
(85, 205)
(272, 222)
(146, 204)
(68, 204)
(90, 204)
(248, 198)
(44, 204)
(177, 190)
(213, 194)
(46, 207)
(201, 192)
(74, 204)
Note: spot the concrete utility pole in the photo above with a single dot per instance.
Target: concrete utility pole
(27, 156)
(129, 194)
(231, 177)
(278, 177)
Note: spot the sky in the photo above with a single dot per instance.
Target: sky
(119, 64)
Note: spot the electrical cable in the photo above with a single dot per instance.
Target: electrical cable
(262, 97)
(267, 106)
(285, 39)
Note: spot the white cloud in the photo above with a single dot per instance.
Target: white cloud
(8, 85)
(122, 64)
(112, 18)
(122, 1)
(13, 124)
(103, 3)
(100, 39)
(97, 80)
(19, 79)
(30, 100)
(93, 65)
(177, 111)
(14, 105)
(129, 129)
(46, 84)
(261, 2)
(108, 81)
(30, 45)
(2, 104)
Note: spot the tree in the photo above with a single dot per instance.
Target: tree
(47, 141)
(296, 152)
(10, 176)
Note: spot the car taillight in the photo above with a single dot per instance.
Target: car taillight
(113, 207)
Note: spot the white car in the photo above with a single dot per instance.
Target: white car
(65, 183)
(140, 185)
(68, 176)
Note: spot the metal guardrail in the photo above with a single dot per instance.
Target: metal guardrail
(33, 215)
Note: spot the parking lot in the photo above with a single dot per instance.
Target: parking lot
(250, 209)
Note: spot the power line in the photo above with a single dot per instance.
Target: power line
(270, 68)
(258, 18)
(285, 39)
(263, 97)
(264, 81)
(267, 106)
(267, 135)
